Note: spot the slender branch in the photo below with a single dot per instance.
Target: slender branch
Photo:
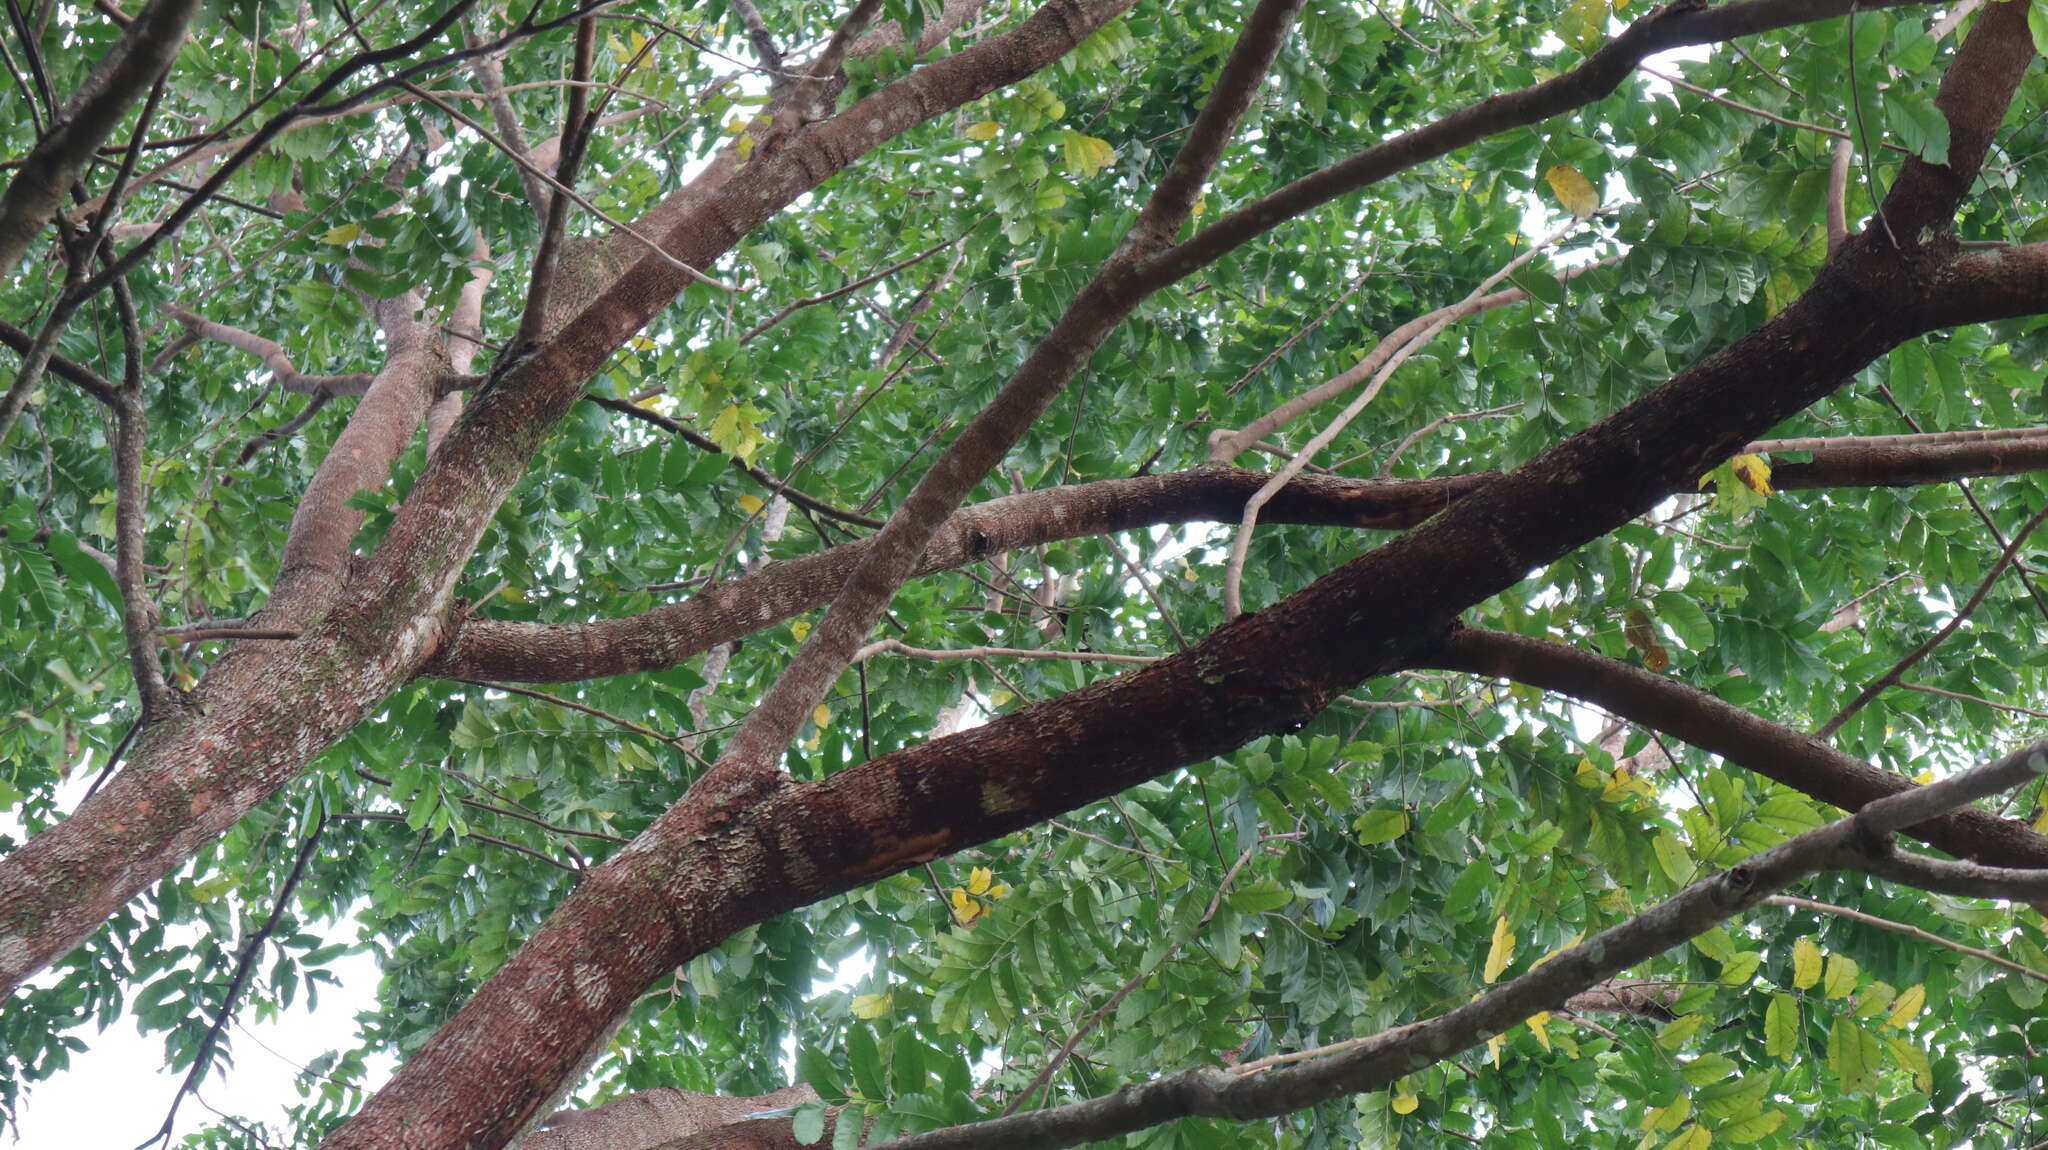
(898, 647)
(1265, 1089)
(1891, 677)
(493, 840)
(131, 446)
(245, 967)
(1797, 903)
(274, 357)
(1671, 26)
(1226, 446)
(69, 370)
(1992, 703)
(1094, 1019)
(795, 306)
(576, 128)
(1397, 348)
(1773, 750)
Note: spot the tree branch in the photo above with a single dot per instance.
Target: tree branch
(1377, 1062)
(1772, 750)
(146, 48)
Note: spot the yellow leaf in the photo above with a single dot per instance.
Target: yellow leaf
(1696, 1138)
(1755, 473)
(1927, 776)
(998, 697)
(965, 909)
(1086, 155)
(1669, 1116)
(1805, 964)
(1539, 1025)
(1493, 1046)
(871, 1005)
(998, 892)
(978, 880)
(800, 629)
(1590, 776)
(986, 130)
(1405, 1103)
(822, 716)
(1906, 1007)
(751, 504)
(1583, 24)
(345, 234)
(1502, 951)
(2041, 822)
(1840, 979)
(1573, 190)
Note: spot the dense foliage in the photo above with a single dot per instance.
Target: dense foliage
(1411, 846)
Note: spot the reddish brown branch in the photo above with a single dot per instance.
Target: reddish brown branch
(1770, 749)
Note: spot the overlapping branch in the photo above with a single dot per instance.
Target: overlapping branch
(665, 636)
(1858, 842)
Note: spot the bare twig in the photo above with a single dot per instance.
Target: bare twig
(898, 647)
(1798, 903)
(1891, 677)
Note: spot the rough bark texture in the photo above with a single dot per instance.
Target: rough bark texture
(189, 781)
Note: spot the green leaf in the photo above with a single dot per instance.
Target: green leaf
(1672, 857)
(1781, 1026)
(1754, 1128)
(1085, 155)
(808, 1125)
(1381, 826)
(1853, 1055)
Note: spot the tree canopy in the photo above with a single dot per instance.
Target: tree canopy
(965, 573)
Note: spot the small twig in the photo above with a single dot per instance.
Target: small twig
(1997, 706)
(1891, 677)
(795, 306)
(897, 646)
(1787, 900)
(1094, 1019)
(493, 840)
(1387, 468)
(1291, 340)
(245, 965)
(704, 443)
(1077, 831)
